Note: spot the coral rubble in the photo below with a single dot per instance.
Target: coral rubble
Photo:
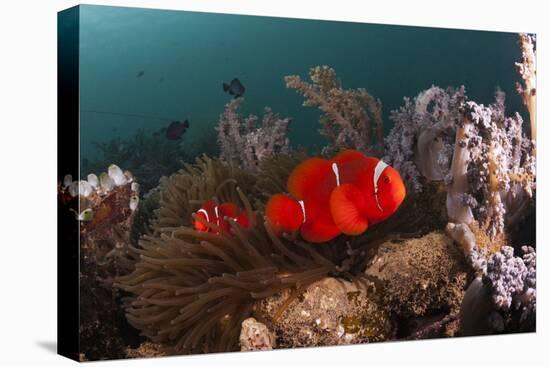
(245, 142)
(256, 336)
(352, 118)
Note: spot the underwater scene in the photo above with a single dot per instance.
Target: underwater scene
(253, 183)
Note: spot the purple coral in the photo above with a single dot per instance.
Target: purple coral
(483, 156)
(501, 166)
(352, 117)
(421, 142)
(513, 280)
(245, 142)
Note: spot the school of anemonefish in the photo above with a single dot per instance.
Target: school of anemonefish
(331, 197)
(210, 212)
(325, 199)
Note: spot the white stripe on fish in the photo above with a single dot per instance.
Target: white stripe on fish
(336, 173)
(380, 167)
(203, 211)
(301, 202)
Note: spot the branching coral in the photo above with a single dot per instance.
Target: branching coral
(503, 295)
(352, 117)
(483, 156)
(513, 280)
(501, 166)
(422, 140)
(245, 142)
(527, 68)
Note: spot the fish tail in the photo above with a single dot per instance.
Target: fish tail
(284, 214)
(225, 87)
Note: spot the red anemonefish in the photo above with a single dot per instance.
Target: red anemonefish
(210, 212)
(330, 197)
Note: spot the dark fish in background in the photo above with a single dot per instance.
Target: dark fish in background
(176, 129)
(235, 88)
(140, 74)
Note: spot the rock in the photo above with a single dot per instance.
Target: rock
(421, 275)
(329, 312)
(256, 336)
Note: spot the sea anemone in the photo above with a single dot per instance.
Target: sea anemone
(191, 290)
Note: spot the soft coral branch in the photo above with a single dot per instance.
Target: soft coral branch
(527, 68)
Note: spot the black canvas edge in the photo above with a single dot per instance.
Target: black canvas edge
(68, 139)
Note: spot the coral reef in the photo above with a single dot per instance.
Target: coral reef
(352, 118)
(503, 294)
(469, 169)
(484, 158)
(328, 312)
(501, 166)
(245, 142)
(420, 276)
(256, 336)
(104, 255)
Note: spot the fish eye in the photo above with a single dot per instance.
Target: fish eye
(387, 179)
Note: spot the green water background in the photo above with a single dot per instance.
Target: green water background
(185, 57)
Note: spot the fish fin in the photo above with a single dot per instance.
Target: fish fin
(243, 220)
(346, 202)
(284, 214)
(348, 155)
(225, 87)
(228, 210)
(307, 175)
(318, 232)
